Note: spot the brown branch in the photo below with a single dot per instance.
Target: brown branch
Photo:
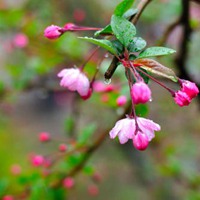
(88, 153)
(183, 48)
(113, 66)
(168, 31)
(141, 6)
(196, 1)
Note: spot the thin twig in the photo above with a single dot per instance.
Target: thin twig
(141, 6)
(168, 31)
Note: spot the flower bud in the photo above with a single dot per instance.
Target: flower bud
(140, 141)
(68, 182)
(62, 147)
(20, 40)
(53, 32)
(44, 137)
(8, 197)
(189, 88)
(93, 190)
(140, 93)
(121, 100)
(37, 160)
(182, 99)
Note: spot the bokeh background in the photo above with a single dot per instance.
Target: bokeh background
(31, 102)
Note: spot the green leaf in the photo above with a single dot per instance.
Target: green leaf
(105, 31)
(155, 67)
(137, 44)
(123, 7)
(106, 44)
(86, 134)
(118, 45)
(123, 30)
(155, 51)
(130, 12)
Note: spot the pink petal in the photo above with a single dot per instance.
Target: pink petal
(83, 85)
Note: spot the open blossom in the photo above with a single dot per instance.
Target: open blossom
(53, 32)
(182, 99)
(140, 93)
(125, 129)
(75, 80)
(189, 88)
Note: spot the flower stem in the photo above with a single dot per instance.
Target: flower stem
(155, 80)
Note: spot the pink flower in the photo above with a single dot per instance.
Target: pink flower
(181, 98)
(16, 169)
(62, 147)
(68, 182)
(126, 129)
(37, 160)
(8, 197)
(148, 127)
(75, 80)
(53, 32)
(79, 15)
(89, 94)
(121, 100)
(98, 86)
(93, 190)
(20, 40)
(140, 141)
(140, 93)
(189, 88)
(69, 27)
(44, 137)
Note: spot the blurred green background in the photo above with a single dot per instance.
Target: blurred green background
(32, 101)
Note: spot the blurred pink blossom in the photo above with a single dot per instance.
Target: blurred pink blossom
(68, 182)
(20, 40)
(121, 100)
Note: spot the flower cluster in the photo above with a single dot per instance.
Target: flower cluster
(187, 92)
(137, 67)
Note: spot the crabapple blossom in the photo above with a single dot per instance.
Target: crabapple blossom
(181, 98)
(121, 100)
(124, 129)
(62, 147)
(127, 129)
(75, 80)
(189, 88)
(140, 92)
(68, 182)
(53, 32)
(8, 197)
(16, 169)
(93, 190)
(20, 40)
(148, 127)
(37, 160)
(44, 137)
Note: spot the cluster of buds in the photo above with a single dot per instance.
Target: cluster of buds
(133, 127)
